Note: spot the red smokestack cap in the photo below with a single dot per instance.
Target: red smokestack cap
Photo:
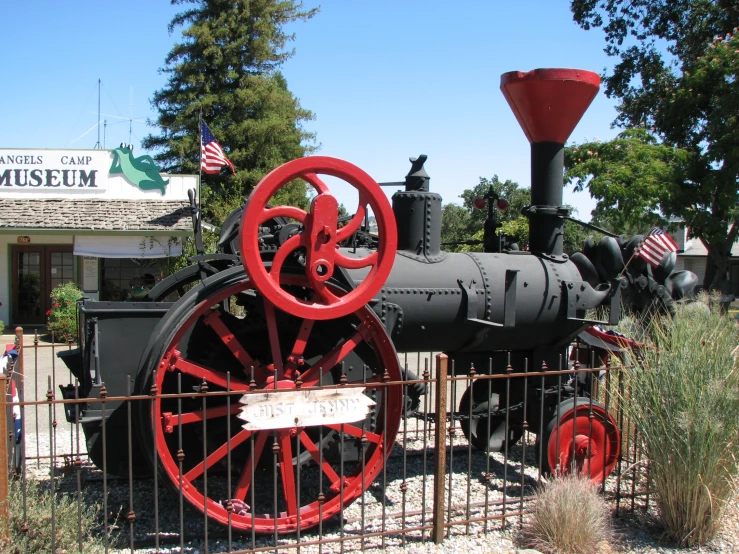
(549, 103)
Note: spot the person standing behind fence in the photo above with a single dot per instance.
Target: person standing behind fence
(7, 363)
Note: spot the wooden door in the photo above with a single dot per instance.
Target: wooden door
(36, 270)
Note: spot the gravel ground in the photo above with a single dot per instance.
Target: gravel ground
(635, 532)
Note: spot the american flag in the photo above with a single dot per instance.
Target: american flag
(654, 246)
(212, 158)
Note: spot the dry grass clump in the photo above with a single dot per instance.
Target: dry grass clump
(34, 533)
(685, 402)
(568, 517)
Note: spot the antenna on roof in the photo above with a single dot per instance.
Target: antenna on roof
(98, 146)
(130, 113)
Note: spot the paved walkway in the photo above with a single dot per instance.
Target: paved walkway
(29, 336)
(42, 370)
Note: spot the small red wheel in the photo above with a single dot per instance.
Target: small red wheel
(267, 480)
(591, 446)
(320, 238)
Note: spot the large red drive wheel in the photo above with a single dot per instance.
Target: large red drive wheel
(319, 238)
(304, 474)
(590, 445)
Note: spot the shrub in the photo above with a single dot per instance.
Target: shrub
(685, 403)
(568, 517)
(2, 326)
(34, 533)
(62, 317)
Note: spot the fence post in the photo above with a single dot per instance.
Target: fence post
(4, 511)
(437, 530)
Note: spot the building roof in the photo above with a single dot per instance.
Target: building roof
(95, 215)
(696, 248)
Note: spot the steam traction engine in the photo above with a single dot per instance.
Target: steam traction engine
(304, 312)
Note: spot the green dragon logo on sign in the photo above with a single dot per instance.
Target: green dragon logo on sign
(141, 171)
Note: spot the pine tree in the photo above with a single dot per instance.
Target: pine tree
(227, 67)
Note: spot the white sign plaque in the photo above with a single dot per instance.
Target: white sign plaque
(41, 171)
(118, 174)
(89, 274)
(280, 410)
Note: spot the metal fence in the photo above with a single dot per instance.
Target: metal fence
(435, 483)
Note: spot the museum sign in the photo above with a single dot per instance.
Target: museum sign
(88, 170)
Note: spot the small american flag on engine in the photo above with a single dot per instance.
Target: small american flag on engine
(212, 158)
(654, 247)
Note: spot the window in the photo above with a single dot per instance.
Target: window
(128, 278)
(61, 268)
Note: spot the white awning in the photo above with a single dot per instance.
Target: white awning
(127, 246)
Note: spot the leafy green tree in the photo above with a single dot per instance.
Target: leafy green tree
(457, 226)
(575, 235)
(516, 196)
(466, 222)
(630, 177)
(517, 229)
(677, 76)
(226, 67)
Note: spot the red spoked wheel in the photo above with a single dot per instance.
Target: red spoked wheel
(304, 474)
(591, 445)
(319, 238)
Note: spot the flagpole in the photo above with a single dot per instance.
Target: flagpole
(200, 165)
(627, 263)
(199, 201)
(636, 250)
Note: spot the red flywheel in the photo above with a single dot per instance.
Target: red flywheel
(319, 237)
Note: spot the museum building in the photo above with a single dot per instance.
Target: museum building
(103, 219)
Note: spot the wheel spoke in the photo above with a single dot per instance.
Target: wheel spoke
(281, 211)
(356, 222)
(325, 466)
(301, 341)
(354, 431)
(217, 455)
(283, 252)
(355, 263)
(316, 182)
(210, 375)
(321, 290)
(311, 377)
(286, 471)
(242, 487)
(274, 339)
(194, 417)
(214, 321)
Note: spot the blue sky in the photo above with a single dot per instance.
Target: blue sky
(386, 80)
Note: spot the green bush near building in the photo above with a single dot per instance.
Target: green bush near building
(62, 317)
